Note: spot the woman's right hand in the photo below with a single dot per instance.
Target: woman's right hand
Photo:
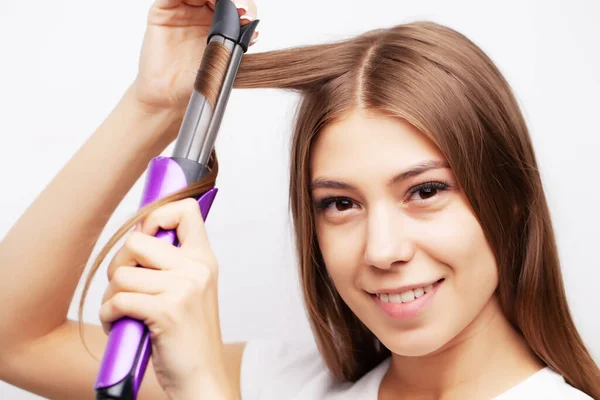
(175, 294)
(172, 50)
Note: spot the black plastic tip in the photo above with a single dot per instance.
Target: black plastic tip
(226, 21)
(120, 391)
(246, 33)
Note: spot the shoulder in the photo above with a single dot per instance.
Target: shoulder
(272, 367)
(295, 369)
(544, 384)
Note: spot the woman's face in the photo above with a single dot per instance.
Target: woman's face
(399, 239)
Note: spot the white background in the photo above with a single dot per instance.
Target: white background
(64, 64)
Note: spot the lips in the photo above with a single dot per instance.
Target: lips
(409, 303)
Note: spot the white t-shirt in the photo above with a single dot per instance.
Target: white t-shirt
(295, 370)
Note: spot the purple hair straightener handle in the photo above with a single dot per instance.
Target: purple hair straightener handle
(128, 350)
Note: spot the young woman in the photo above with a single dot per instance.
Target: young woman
(427, 256)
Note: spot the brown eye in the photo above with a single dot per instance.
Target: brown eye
(427, 192)
(343, 204)
(335, 204)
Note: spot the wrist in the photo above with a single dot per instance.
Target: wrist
(151, 103)
(203, 388)
(164, 121)
(207, 382)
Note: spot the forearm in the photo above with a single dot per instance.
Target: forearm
(43, 256)
(213, 388)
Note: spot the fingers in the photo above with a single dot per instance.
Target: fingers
(247, 10)
(198, 3)
(142, 248)
(248, 13)
(129, 280)
(185, 217)
(150, 252)
(135, 279)
(125, 304)
(245, 7)
(156, 298)
(168, 4)
(193, 3)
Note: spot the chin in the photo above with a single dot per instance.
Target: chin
(415, 342)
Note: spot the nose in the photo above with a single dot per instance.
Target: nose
(388, 240)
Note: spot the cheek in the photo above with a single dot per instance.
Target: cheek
(457, 240)
(341, 249)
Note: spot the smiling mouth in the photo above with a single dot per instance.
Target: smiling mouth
(408, 296)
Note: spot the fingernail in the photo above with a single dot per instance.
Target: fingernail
(247, 17)
(242, 5)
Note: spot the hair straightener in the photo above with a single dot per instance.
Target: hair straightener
(128, 350)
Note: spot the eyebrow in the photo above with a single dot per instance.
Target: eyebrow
(412, 172)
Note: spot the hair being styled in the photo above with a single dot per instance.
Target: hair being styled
(443, 84)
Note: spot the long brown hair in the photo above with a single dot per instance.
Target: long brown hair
(443, 84)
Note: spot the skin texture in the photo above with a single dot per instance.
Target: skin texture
(378, 236)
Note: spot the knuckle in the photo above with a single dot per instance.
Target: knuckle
(178, 300)
(205, 276)
(167, 312)
(193, 258)
(115, 263)
(210, 262)
(190, 205)
(105, 317)
(119, 277)
(200, 258)
(191, 284)
(133, 240)
(154, 215)
(105, 314)
(107, 294)
(190, 288)
(202, 279)
(118, 302)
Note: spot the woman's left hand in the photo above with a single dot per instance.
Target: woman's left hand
(175, 295)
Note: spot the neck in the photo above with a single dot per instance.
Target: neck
(484, 360)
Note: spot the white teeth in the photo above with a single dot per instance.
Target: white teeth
(404, 297)
(407, 296)
(395, 298)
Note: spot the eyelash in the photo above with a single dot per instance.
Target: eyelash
(323, 204)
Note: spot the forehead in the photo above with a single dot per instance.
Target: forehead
(364, 140)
